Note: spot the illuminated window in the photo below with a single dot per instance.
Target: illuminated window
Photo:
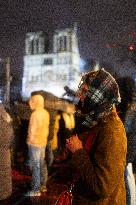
(48, 61)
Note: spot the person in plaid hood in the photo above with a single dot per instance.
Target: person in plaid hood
(99, 151)
(98, 92)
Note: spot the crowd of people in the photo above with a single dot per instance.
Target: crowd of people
(98, 140)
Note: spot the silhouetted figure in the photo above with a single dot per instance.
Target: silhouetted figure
(6, 136)
(127, 110)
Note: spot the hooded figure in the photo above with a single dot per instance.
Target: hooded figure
(99, 151)
(38, 132)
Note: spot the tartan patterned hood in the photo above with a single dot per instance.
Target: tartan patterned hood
(98, 93)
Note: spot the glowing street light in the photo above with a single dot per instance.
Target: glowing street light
(131, 48)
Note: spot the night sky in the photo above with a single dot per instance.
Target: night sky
(99, 22)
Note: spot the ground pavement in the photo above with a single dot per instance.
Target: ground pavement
(58, 181)
(21, 183)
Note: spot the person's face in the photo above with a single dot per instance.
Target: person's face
(31, 104)
(81, 94)
(86, 106)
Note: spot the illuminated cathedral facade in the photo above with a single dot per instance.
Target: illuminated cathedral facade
(51, 71)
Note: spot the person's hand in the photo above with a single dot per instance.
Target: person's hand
(74, 144)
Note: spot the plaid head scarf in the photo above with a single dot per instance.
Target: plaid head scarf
(100, 90)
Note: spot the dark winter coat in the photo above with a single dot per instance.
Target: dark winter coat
(101, 179)
(130, 125)
(6, 133)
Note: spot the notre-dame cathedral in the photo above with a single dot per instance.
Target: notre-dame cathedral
(51, 71)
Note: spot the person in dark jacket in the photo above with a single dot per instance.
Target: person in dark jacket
(49, 149)
(99, 151)
(127, 111)
(6, 135)
(130, 125)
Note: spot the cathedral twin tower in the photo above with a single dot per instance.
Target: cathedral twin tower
(51, 71)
